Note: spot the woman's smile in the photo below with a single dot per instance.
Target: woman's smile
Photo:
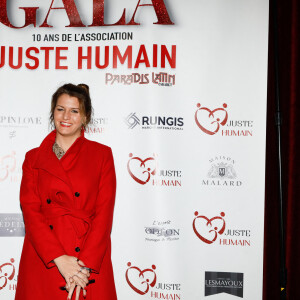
(64, 124)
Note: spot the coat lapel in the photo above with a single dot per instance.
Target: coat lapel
(47, 160)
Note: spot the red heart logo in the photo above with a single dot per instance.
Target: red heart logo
(207, 230)
(4, 272)
(7, 165)
(209, 121)
(140, 280)
(141, 170)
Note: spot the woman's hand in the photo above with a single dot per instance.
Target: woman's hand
(74, 285)
(78, 288)
(68, 267)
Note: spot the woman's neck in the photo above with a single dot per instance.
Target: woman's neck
(65, 142)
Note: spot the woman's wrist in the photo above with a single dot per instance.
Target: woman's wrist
(57, 259)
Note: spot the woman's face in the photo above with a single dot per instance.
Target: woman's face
(67, 116)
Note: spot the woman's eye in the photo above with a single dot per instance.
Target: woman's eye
(75, 111)
(59, 109)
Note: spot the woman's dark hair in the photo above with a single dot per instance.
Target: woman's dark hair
(81, 92)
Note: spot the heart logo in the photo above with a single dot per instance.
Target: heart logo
(141, 170)
(4, 275)
(7, 165)
(207, 230)
(140, 280)
(209, 121)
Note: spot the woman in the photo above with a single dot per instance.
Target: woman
(67, 197)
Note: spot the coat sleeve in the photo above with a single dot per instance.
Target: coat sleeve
(98, 238)
(38, 232)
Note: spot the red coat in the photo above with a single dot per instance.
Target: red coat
(68, 207)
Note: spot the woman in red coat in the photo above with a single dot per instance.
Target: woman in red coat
(67, 197)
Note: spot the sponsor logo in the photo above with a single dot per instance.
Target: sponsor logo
(154, 122)
(145, 282)
(213, 231)
(144, 171)
(215, 121)
(161, 78)
(141, 170)
(210, 121)
(12, 134)
(8, 170)
(222, 173)
(238, 128)
(132, 120)
(7, 275)
(13, 121)
(97, 126)
(140, 280)
(12, 225)
(161, 231)
(209, 229)
(224, 282)
(166, 291)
